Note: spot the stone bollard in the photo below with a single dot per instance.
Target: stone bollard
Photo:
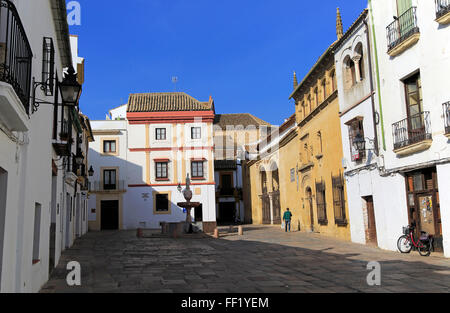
(216, 233)
(230, 229)
(241, 231)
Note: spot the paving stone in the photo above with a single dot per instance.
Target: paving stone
(264, 260)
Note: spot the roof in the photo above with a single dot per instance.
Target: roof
(166, 101)
(239, 119)
(362, 16)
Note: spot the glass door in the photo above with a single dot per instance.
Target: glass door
(416, 125)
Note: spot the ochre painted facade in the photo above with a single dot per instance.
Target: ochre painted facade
(322, 187)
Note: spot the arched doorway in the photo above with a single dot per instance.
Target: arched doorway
(276, 197)
(309, 204)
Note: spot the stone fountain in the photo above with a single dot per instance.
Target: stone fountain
(188, 205)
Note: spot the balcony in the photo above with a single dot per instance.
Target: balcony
(15, 69)
(403, 32)
(100, 187)
(61, 145)
(443, 11)
(412, 134)
(446, 109)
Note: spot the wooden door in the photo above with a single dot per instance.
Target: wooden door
(371, 234)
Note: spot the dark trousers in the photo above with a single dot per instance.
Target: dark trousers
(287, 225)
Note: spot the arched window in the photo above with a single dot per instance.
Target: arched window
(349, 73)
(316, 97)
(324, 88)
(360, 54)
(333, 81)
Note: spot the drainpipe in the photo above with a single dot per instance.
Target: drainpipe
(378, 75)
(372, 91)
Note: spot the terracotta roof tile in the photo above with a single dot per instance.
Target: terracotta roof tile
(239, 119)
(167, 101)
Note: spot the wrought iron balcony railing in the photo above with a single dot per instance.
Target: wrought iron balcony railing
(402, 28)
(442, 7)
(413, 129)
(446, 108)
(15, 53)
(98, 186)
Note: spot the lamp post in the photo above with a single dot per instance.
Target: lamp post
(91, 171)
(70, 88)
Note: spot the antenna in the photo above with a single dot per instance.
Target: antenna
(175, 81)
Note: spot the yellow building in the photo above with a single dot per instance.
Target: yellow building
(300, 167)
(322, 185)
(273, 182)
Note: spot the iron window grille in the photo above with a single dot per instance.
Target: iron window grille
(339, 200)
(402, 28)
(48, 66)
(321, 203)
(442, 7)
(446, 108)
(196, 133)
(356, 127)
(162, 202)
(161, 170)
(160, 134)
(413, 129)
(15, 53)
(197, 169)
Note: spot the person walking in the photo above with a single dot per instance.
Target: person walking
(287, 220)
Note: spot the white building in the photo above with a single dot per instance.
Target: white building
(34, 50)
(406, 98)
(141, 161)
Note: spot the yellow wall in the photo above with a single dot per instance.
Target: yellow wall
(314, 150)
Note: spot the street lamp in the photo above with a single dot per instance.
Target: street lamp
(91, 171)
(70, 88)
(359, 142)
(79, 158)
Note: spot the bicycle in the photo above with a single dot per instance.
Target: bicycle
(406, 242)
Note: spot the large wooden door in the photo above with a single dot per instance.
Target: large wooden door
(276, 208)
(109, 215)
(310, 207)
(371, 233)
(265, 209)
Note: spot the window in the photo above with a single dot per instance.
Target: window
(162, 202)
(349, 72)
(321, 203)
(48, 66)
(413, 89)
(355, 127)
(160, 134)
(109, 179)
(196, 133)
(333, 80)
(197, 169)
(161, 170)
(263, 182)
(3, 193)
(226, 184)
(37, 233)
(316, 97)
(339, 200)
(109, 146)
(324, 89)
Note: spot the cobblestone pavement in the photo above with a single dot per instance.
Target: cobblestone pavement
(265, 259)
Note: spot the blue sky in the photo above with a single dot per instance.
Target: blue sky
(242, 52)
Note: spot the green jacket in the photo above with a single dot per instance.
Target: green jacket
(287, 216)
